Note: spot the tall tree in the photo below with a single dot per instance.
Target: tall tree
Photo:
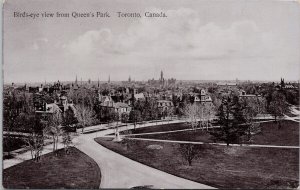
(278, 107)
(54, 128)
(85, 116)
(35, 140)
(231, 117)
(252, 107)
(191, 111)
(135, 116)
(11, 112)
(69, 121)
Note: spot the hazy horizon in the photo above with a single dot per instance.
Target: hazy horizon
(199, 40)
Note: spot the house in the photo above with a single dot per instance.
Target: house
(121, 108)
(164, 105)
(106, 101)
(56, 108)
(244, 95)
(201, 97)
(139, 96)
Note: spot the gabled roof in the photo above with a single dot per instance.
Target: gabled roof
(121, 105)
(139, 96)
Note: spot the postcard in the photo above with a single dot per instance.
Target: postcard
(150, 94)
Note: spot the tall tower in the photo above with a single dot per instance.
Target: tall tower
(76, 82)
(129, 79)
(161, 76)
(108, 78)
(98, 83)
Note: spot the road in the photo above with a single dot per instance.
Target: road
(120, 172)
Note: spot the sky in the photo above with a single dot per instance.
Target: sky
(198, 40)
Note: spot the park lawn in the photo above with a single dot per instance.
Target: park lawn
(287, 135)
(157, 128)
(73, 171)
(218, 166)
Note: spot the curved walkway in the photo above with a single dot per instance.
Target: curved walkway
(121, 172)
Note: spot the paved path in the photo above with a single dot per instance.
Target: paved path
(120, 172)
(27, 156)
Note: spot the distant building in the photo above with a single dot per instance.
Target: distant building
(57, 107)
(119, 107)
(227, 84)
(244, 95)
(164, 105)
(201, 97)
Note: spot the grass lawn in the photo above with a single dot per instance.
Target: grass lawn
(158, 128)
(75, 170)
(218, 166)
(291, 114)
(288, 134)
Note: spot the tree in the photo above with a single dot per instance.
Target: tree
(191, 111)
(252, 107)
(124, 117)
(278, 107)
(205, 112)
(69, 120)
(67, 141)
(135, 116)
(35, 140)
(85, 116)
(54, 128)
(116, 117)
(230, 119)
(11, 112)
(189, 151)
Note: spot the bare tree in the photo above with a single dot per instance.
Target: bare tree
(85, 116)
(54, 128)
(35, 143)
(189, 152)
(191, 111)
(205, 112)
(67, 140)
(35, 140)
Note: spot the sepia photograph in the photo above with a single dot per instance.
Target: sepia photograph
(150, 94)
